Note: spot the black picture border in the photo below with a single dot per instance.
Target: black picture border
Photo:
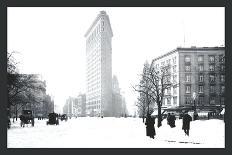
(112, 3)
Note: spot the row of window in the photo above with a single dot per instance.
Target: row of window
(167, 101)
(168, 91)
(201, 89)
(200, 58)
(189, 100)
(168, 62)
(201, 100)
(212, 78)
(201, 68)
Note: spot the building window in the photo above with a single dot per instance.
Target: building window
(201, 100)
(212, 89)
(162, 63)
(222, 89)
(174, 78)
(168, 70)
(157, 66)
(211, 78)
(187, 89)
(174, 60)
(168, 90)
(187, 59)
(187, 68)
(222, 68)
(212, 100)
(174, 100)
(200, 68)
(163, 102)
(212, 58)
(200, 58)
(211, 67)
(174, 69)
(201, 89)
(174, 90)
(168, 78)
(201, 78)
(168, 101)
(222, 78)
(187, 78)
(168, 62)
(221, 58)
(187, 100)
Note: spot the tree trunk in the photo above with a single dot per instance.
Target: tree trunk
(143, 118)
(159, 116)
(16, 115)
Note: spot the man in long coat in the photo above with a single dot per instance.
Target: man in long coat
(150, 121)
(186, 123)
(172, 120)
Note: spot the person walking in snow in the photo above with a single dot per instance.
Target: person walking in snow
(168, 119)
(172, 120)
(150, 121)
(186, 123)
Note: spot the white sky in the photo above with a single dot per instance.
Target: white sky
(51, 41)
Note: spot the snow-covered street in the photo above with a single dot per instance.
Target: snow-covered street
(89, 132)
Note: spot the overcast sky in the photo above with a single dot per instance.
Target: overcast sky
(51, 42)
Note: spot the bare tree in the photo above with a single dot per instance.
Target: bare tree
(145, 99)
(22, 89)
(156, 80)
(141, 104)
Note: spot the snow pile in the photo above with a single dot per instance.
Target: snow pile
(88, 132)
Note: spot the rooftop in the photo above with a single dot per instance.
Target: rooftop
(102, 13)
(192, 48)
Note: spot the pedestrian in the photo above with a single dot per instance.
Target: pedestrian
(150, 121)
(186, 123)
(168, 119)
(172, 120)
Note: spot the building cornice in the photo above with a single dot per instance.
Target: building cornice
(166, 54)
(186, 49)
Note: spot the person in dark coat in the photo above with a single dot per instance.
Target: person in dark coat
(186, 123)
(172, 120)
(150, 121)
(168, 119)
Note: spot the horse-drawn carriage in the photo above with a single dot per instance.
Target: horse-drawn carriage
(53, 119)
(26, 118)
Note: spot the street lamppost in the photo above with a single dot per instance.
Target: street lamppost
(194, 106)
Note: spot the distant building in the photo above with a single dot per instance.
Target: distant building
(196, 69)
(70, 107)
(75, 106)
(81, 102)
(99, 67)
(118, 100)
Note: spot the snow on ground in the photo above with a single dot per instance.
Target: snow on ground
(89, 132)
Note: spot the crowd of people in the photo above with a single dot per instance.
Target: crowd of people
(150, 122)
